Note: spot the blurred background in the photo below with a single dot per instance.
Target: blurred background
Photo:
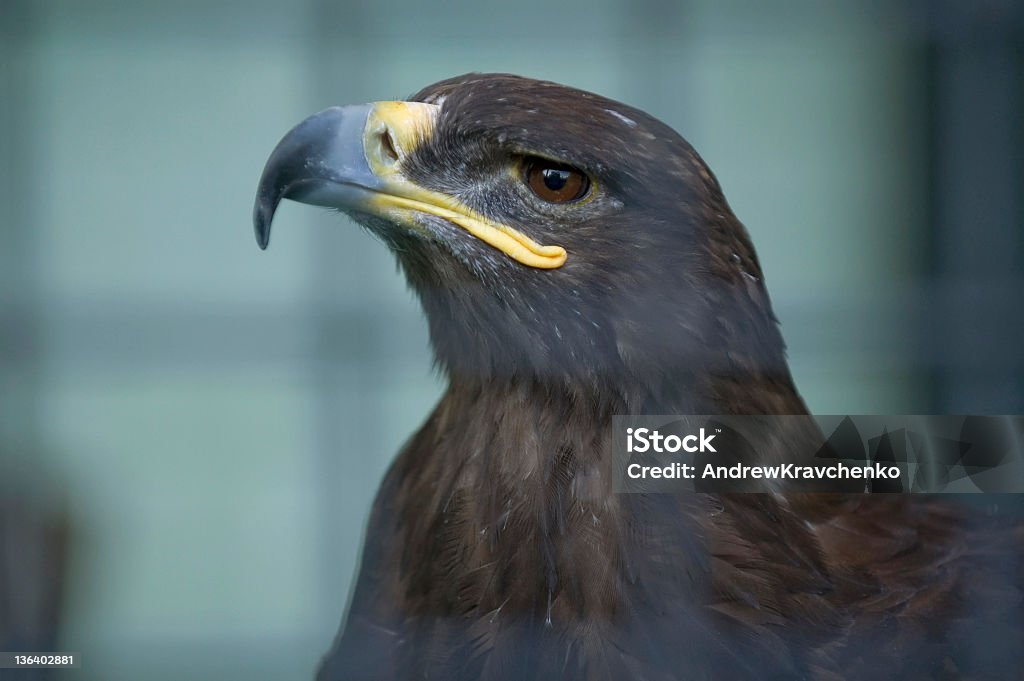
(191, 430)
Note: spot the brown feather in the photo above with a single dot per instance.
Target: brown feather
(497, 549)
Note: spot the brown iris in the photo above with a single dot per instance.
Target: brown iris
(555, 182)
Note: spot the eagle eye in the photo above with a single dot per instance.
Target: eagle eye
(555, 182)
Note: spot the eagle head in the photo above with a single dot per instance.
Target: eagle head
(550, 233)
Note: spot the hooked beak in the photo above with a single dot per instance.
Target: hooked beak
(351, 158)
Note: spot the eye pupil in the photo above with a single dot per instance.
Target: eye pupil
(554, 182)
(555, 179)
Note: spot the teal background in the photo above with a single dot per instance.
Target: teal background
(214, 420)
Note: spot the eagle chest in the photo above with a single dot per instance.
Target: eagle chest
(536, 535)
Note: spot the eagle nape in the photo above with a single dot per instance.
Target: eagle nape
(576, 259)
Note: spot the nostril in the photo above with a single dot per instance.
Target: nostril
(387, 146)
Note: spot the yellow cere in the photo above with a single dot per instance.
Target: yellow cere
(398, 128)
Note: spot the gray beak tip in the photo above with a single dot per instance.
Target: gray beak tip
(324, 150)
(262, 216)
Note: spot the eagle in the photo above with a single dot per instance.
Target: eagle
(576, 259)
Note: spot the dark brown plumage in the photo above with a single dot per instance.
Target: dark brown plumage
(496, 548)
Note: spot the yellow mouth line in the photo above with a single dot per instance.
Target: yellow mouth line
(512, 243)
(393, 131)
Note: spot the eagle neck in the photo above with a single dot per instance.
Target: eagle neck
(509, 484)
